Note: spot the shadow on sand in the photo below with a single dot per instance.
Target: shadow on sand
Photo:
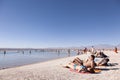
(107, 69)
(110, 68)
(112, 64)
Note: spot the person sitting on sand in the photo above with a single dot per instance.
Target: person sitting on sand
(90, 63)
(101, 59)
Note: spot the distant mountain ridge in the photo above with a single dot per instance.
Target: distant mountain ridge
(99, 46)
(118, 45)
(105, 46)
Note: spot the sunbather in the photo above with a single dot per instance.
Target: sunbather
(101, 61)
(90, 64)
(79, 64)
(79, 67)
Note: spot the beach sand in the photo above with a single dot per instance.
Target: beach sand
(53, 70)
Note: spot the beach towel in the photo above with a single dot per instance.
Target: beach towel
(79, 72)
(95, 70)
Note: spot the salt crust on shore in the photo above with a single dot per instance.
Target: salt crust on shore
(53, 70)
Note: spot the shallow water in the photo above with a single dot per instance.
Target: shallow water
(13, 59)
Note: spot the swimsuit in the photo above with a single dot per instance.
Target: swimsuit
(75, 66)
(82, 67)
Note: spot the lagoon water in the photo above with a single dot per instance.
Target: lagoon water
(13, 59)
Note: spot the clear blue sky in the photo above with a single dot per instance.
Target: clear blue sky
(59, 23)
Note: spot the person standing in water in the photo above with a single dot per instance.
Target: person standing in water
(78, 53)
(68, 52)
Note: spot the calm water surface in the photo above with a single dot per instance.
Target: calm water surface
(13, 59)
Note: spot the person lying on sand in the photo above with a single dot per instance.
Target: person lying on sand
(79, 67)
(79, 64)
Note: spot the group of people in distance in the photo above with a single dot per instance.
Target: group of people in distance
(94, 59)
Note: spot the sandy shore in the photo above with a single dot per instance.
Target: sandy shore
(53, 70)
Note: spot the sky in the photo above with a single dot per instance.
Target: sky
(58, 23)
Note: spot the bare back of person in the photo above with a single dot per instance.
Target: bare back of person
(89, 64)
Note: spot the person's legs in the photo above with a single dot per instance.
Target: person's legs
(71, 65)
(100, 63)
(79, 60)
(74, 66)
(103, 62)
(78, 68)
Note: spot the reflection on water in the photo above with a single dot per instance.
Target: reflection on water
(12, 59)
